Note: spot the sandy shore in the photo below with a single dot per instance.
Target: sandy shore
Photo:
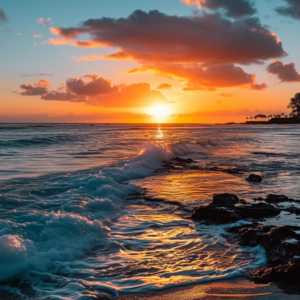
(237, 288)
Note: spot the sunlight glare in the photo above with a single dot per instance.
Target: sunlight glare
(159, 111)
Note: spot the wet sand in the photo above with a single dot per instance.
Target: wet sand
(236, 288)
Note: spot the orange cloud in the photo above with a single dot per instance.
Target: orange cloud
(205, 77)
(95, 86)
(98, 91)
(37, 89)
(164, 86)
(134, 95)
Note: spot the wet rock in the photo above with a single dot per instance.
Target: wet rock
(182, 160)
(224, 200)
(214, 215)
(277, 199)
(229, 170)
(222, 210)
(254, 178)
(282, 273)
(282, 247)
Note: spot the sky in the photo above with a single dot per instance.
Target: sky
(173, 61)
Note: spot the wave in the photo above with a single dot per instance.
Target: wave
(43, 231)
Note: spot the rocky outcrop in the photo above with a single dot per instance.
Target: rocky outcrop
(282, 246)
(223, 210)
(254, 178)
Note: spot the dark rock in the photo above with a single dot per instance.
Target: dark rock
(223, 210)
(282, 273)
(257, 211)
(254, 178)
(213, 214)
(277, 198)
(258, 199)
(182, 160)
(283, 262)
(224, 200)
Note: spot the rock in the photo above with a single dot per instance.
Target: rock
(214, 215)
(282, 254)
(222, 210)
(254, 178)
(282, 273)
(224, 200)
(277, 198)
(182, 160)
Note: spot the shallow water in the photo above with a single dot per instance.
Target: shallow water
(73, 225)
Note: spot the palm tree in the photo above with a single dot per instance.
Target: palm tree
(295, 106)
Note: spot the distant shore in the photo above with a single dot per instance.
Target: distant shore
(269, 122)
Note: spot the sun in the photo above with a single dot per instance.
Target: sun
(159, 111)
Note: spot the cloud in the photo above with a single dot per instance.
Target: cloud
(228, 95)
(71, 118)
(3, 17)
(233, 8)
(37, 35)
(60, 96)
(44, 22)
(95, 86)
(258, 87)
(164, 86)
(291, 10)
(38, 74)
(39, 88)
(204, 77)
(97, 91)
(285, 72)
(134, 95)
(201, 38)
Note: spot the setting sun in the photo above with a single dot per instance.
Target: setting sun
(159, 111)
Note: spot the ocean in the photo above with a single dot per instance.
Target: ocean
(87, 211)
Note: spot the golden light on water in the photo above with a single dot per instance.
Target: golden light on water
(159, 111)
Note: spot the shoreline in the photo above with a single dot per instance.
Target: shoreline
(236, 288)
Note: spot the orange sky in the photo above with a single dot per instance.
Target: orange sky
(205, 63)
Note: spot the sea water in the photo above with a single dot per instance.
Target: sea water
(75, 222)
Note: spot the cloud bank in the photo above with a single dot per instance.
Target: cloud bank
(97, 91)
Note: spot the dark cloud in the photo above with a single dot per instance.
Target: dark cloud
(205, 77)
(164, 86)
(233, 8)
(3, 17)
(285, 72)
(95, 86)
(37, 89)
(291, 10)
(157, 37)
